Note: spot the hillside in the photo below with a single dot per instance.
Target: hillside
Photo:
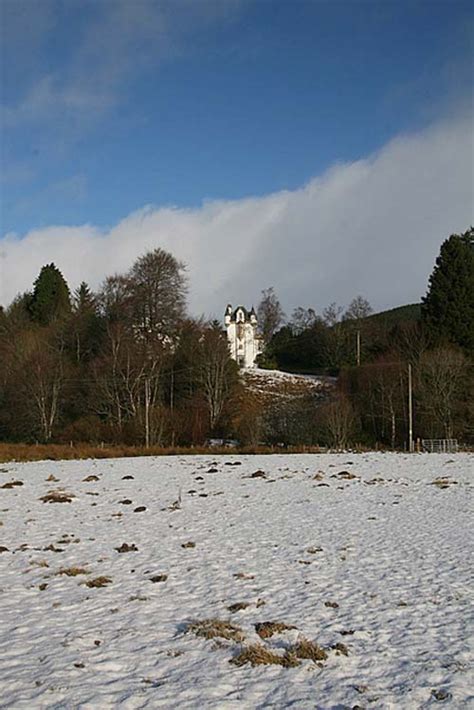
(410, 312)
(270, 385)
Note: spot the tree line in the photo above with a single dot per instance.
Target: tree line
(123, 365)
(370, 354)
(128, 365)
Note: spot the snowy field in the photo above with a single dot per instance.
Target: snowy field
(367, 556)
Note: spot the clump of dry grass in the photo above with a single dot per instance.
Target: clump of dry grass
(347, 475)
(89, 479)
(159, 578)
(12, 484)
(308, 650)
(188, 545)
(340, 648)
(98, 582)
(215, 628)
(258, 474)
(127, 548)
(52, 548)
(266, 629)
(443, 482)
(52, 478)
(257, 655)
(72, 571)
(243, 575)
(57, 497)
(238, 606)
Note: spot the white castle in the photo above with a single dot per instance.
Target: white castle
(244, 341)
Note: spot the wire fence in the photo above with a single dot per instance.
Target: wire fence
(440, 446)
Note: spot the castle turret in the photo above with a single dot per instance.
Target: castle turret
(244, 341)
(228, 314)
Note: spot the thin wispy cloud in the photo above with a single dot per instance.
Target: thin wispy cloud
(373, 227)
(122, 40)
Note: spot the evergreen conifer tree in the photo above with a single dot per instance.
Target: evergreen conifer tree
(448, 307)
(50, 300)
(85, 326)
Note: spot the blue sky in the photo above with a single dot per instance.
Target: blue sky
(112, 105)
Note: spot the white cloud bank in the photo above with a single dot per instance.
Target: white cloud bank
(372, 227)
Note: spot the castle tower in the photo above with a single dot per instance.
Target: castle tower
(244, 342)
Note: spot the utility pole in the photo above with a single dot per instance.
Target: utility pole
(147, 413)
(358, 348)
(410, 410)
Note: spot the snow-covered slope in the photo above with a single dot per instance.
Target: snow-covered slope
(359, 550)
(276, 383)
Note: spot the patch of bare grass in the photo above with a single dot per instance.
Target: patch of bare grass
(159, 578)
(57, 497)
(340, 648)
(345, 475)
(442, 482)
(39, 563)
(98, 582)
(243, 575)
(257, 655)
(127, 548)
(215, 628)
(72, 571)
(266, 629)
(238, 606)
(258, 474)
(12, 484)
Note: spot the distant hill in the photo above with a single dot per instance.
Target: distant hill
(410, 312)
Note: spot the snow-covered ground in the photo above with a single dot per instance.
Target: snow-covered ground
(360, 550)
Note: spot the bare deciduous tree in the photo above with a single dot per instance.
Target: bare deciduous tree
(358, 309)
(302, 319)
(339, 422)
(217, 372)
(270, 314)
(157, 290)
(442, 376)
